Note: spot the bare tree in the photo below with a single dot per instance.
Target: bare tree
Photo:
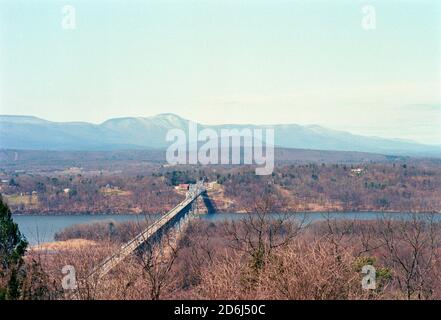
(198, 250)
(338, 233)
(157, 261)
(262, 231)
(411, 249)
(308, 270)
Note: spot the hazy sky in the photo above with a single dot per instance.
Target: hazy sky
(306, 62)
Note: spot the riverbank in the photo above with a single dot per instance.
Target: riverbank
(66, 245)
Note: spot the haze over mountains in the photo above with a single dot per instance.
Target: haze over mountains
(28, 132)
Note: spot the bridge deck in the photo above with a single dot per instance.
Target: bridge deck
(128, 248)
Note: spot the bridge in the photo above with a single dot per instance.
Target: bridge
(153, 231)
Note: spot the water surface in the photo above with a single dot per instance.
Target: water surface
(42, 228)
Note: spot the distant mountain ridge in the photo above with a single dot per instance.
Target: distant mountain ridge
(32, 133)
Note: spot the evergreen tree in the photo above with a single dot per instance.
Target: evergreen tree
(12, 249)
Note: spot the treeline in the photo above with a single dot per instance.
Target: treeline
(90, 194)
(374, 187)
(412, 187)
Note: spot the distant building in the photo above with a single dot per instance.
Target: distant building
(66, 190)
(110, 187)
(357, 171)
(182, 186)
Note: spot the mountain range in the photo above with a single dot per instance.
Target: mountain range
(32, 133)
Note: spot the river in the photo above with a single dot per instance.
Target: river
(40, 229)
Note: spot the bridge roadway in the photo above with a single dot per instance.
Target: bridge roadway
(195, 190)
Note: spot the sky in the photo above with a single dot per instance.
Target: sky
(260, 62)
